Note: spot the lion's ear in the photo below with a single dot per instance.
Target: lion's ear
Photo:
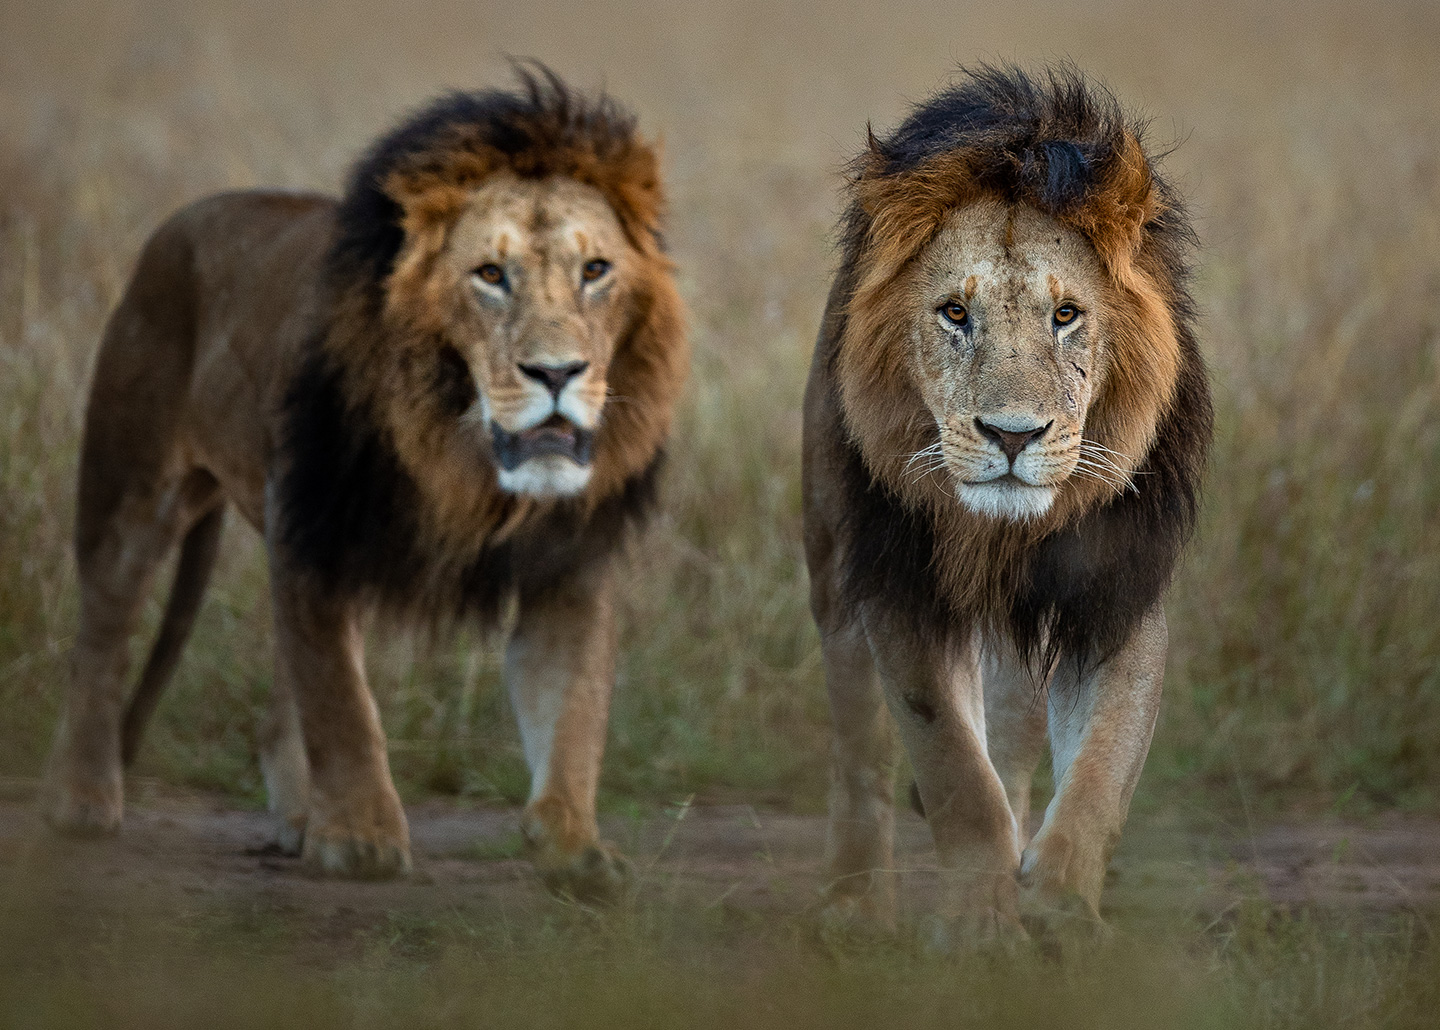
(1126, 201)
(429, 206)
(906, 209)
(427, 199)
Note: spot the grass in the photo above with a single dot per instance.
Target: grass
(661, 967)
(1305, 659)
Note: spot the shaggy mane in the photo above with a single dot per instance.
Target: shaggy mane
(380, 496)
(1076, 582)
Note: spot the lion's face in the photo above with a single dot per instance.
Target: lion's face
(544, 270)
(1006, 306)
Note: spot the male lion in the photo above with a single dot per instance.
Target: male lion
(449, 388)
(1006, 422)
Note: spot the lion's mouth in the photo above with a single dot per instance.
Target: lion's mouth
(556, 435)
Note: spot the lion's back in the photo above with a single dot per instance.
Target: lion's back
(201, 346)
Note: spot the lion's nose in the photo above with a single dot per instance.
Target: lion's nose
(554, 377)
(1012, 441)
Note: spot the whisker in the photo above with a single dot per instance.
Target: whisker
(1111, 463)
(929, 469)
(934, 450)
(1114, 482)
(1101, 447)
(1103, 475)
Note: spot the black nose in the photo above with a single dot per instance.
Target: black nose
(555, 377)
(1012, 442)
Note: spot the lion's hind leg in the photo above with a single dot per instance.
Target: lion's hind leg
(138, 495)
(84, 791)
(1015, 725)
(283, 765)
(860, 840)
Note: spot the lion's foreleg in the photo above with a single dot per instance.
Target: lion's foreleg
(1100, 730)
(356, 826)
(860, 843)
(935, 692)
(559, 672)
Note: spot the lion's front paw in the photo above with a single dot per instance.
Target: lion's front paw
(978, 929)
(1059, 890)
(571, 862)
(598, 875)
(981, 911)
(364, 840)
(1064, 921)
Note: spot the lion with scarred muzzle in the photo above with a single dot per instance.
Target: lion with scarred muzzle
(445, 391)
(1005, 427)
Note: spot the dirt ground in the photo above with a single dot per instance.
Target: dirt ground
(181, 853)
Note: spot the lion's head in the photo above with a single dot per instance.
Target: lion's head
(1017, 280)
(504, 350)
(1012, 362)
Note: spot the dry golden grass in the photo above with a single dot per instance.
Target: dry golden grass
(1306, 656)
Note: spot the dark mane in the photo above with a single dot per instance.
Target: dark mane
(1066, 147)
(1057, 144)
(536, 130)
(1042, 141)
(351, 514)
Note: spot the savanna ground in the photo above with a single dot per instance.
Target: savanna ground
(1279, 869)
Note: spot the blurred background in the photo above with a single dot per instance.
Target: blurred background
(1305, 663)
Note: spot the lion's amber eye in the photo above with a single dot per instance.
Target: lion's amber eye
(594, 270)
(491, 274)
(1066, 313)
(955, 313)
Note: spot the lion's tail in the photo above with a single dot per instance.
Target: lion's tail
(197, 560)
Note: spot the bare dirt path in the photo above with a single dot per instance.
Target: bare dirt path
(181, 852)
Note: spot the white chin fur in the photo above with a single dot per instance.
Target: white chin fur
(550, 475)
(1007, 500)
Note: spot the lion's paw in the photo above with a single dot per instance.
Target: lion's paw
(1063, 921)
(363, 841)
(599, 875)
(985, 929)
(355, 857)
(88, 809)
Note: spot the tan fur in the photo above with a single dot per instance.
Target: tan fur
(971, 712)
(187, 413)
